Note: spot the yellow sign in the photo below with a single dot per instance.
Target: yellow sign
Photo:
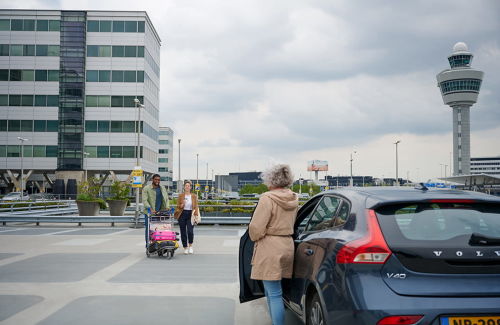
(137, 172)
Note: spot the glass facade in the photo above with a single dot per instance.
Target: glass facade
(29, 151)
(29, 25)
(29, 75)
(29, 125)
(118, 51)
(462, 60)
(111, 101)
(29, 50)
(71, 90)
(460, 85)
(29, 100)
(117, 26)
(116, 76)
(120, 127)
(112, 151)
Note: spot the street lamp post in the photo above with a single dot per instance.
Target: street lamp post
(22, 168)
(197, 171)
(397, 179)
(138, 106)
(352, 181)
(179, 179)
(85, 154)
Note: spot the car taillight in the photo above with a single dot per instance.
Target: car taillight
(400, 320)
(371, 249)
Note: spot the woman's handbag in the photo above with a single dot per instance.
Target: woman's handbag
(195, 219)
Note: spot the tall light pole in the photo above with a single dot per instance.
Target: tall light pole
(197, 155)
(138, 106)
(22, 169)
(397, 179)
(179, 179)
(85, 156)
(352, 181)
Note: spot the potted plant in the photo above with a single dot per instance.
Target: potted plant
(119, 198)
(87, 200)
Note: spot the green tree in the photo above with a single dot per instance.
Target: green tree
(305, 188)
(249, 189)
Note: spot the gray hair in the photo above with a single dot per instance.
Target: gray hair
(278, 176)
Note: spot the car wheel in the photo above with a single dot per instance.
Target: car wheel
(315, 314)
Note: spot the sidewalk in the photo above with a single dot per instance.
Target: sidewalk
(101, 275)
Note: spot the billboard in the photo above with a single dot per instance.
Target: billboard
(317, 165)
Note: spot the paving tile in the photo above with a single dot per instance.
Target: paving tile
(12, 304)
(196, 268)
(122, 310)
(60, 267)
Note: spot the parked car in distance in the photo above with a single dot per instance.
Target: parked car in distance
(231, 196)
(304, 196)
(250, 196)
(15, 196)
(391, 255)
(43, 197)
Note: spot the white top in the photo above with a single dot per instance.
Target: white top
(188, 202)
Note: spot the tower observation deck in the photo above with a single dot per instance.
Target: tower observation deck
(460, 87)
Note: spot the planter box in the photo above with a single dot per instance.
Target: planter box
(88, 208)
(117, 207)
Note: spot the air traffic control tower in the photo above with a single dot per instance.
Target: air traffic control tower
(460, 87)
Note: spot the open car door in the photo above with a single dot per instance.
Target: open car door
(249, 289)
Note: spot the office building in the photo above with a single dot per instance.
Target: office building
(68, 80)
(165, 156)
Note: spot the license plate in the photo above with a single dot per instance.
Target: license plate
(469, 320)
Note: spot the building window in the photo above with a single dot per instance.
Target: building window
(163, 160)
(115, 51)
(90, 126)
(162, 169)
(163, 141)
(118, 26)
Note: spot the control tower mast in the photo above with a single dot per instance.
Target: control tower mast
(460, 87)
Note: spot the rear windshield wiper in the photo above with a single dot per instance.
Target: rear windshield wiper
(480, 239)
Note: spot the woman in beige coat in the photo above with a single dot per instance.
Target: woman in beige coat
(271, 229)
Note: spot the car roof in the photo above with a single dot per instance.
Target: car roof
(384, 195)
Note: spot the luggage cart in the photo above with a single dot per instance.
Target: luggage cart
(163, 246)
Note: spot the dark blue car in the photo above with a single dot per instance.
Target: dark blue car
(391, 255)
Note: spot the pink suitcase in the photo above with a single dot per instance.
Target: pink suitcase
(163, 235)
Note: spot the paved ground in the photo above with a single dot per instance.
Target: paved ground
(99, 275)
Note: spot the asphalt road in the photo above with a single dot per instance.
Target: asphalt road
(101, 275)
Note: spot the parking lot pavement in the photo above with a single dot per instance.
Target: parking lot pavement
(101, 275)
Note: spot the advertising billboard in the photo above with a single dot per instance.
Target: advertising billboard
(317, 165)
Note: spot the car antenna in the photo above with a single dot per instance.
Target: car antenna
(421, 186)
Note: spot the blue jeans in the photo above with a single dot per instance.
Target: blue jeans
(274, 296)
(187, 234)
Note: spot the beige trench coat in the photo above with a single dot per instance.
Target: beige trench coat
(271, 229)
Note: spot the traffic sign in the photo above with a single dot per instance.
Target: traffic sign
(137, 174)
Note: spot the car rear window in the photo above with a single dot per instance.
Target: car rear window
(439, 221)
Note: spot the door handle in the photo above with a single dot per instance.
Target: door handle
(308, 251)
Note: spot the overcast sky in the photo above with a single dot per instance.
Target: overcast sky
(250, 83)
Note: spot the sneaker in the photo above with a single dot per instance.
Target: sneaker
(191, 250)
(186, 251)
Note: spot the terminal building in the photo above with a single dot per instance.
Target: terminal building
(68, 84)
(485, 165)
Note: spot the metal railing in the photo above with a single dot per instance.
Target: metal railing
(32, 205)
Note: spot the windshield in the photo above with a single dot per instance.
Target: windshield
(440, 221)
